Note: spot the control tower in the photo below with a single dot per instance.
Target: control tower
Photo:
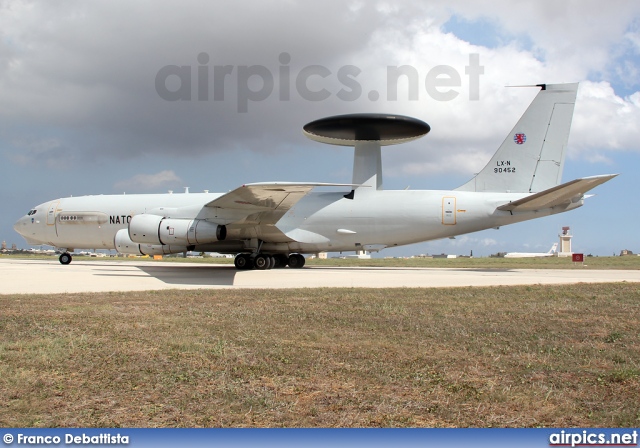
(565, 243)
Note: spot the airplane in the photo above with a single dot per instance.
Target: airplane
(273, 224)
(551, 253)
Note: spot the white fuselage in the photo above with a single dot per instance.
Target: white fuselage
(529, 255)
(320, 221)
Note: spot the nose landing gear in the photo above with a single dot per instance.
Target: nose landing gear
(65, 258)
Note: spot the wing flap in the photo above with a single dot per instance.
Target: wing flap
(558, 195)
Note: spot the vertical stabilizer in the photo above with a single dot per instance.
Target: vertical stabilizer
(531, 158)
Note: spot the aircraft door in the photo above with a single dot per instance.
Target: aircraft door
(448, 210)
(51, 213)
(51, 229)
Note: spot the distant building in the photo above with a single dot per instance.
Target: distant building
(443, 255)
(361, 254)
(624, 252)
(4, 245)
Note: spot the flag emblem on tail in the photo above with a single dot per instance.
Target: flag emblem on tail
(519, 139)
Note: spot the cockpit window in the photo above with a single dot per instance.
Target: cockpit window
(31, 212)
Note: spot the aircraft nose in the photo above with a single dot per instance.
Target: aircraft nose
(19, 225)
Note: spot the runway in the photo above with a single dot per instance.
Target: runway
(18, 276)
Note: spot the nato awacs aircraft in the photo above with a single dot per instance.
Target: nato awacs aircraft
(273, 224)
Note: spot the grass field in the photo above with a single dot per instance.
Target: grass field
(627, 262)
(506, 357)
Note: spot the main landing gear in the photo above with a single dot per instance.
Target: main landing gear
(265, 261)
(65, 258)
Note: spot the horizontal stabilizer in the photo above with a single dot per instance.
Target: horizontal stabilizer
(559, 195)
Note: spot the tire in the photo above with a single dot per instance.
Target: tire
(262, 262)
(243, 262)
(296, 261)
(281, 261)
(65, 258)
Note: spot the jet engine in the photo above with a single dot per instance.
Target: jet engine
(157, 230)
(124, 245)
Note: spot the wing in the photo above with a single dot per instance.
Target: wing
(263, 203)
(558, 195)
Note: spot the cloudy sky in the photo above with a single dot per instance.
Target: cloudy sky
(147, 96)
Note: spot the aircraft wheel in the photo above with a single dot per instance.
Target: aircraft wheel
(243, 262)
(281, 261)
(296, 261)
(275, 263)
(65, 258)
(262, 262)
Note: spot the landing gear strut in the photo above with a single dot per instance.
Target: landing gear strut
(65, 258)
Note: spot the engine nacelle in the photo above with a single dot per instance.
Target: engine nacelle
(190, 231)
(124, 245)
(156, 230)
(143, 229)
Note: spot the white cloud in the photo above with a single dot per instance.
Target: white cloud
(603, 121)
(149, 182)
(465, 240)
(634, 39)
(486, 242)
(77, 87)
(564, 32)
(83, 74)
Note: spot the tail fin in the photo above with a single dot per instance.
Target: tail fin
(531, 158)
(553, 248)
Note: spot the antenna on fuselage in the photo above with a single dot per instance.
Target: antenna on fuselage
(367, 133)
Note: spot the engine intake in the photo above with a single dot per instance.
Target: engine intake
(157, 230)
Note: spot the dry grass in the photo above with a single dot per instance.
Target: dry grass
(506, 357)
(627, 262)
